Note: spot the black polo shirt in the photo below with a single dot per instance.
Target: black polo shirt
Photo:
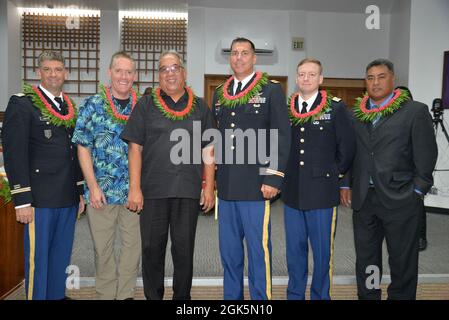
(148, 127)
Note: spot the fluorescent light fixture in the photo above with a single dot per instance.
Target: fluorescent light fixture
(69, 11)
(154, 14)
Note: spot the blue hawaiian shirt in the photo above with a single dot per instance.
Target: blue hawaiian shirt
(95, 129)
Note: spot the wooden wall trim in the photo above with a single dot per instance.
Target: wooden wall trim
(343, 83)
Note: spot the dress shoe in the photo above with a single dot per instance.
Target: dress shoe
(422, 244)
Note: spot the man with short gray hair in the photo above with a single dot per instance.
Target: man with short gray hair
(170, 194)
(44, 176)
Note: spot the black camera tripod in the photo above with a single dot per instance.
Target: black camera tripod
(437, 120)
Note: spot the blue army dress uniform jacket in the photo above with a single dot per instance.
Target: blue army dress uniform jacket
(40, 161)
(266, 110)
(321, 152)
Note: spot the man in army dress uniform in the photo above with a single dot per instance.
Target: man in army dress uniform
(248, 102)
(322, 150)
(44, 176)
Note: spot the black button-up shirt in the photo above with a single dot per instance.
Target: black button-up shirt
(148, 127)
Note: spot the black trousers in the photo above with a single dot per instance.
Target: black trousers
(400, 228)
(180, 216)
(423, 232)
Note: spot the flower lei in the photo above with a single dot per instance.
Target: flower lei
(394, 104)
(47, 111)
(243, 97)
(172, 114)
(105, 93)
(5, 191)
(297, 118)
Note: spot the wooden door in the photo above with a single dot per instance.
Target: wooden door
(12, 268)
(346, 89)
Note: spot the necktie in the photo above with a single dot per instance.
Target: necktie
(62, 106)
(376, 120)
(239, 88)
(304, 107)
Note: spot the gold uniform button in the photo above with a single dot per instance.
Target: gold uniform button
(301, 163)
(257, 111)
(232, 125)
(303, 129)
(37, 170)
(232, 136)
(302, 140)
(321, 128)
(327, 175)
(232, 113)
(232, 147)
(301, 152)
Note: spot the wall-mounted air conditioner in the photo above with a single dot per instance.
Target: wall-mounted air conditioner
(262, 46)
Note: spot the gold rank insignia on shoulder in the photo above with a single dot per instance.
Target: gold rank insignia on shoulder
(274, 81)
(336, 99)
(20, 94)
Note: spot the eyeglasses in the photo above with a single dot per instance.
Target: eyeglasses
(175, 68)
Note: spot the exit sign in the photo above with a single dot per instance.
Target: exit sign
(298, 44)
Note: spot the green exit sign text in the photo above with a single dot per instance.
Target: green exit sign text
(298, 44)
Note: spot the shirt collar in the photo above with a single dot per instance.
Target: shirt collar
(244, 81)
(50, 95)
(309, 101)
(167, 98)
(384, 102)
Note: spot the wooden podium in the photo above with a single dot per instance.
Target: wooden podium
(12, 268)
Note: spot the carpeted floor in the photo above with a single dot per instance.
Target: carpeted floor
(426, 291)
(207, 263)
(433, 263)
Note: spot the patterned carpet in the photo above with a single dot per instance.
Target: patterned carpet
(426, 291)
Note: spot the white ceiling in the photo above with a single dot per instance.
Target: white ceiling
(308, 5)
(181, 5)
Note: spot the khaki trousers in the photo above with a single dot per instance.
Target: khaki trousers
(115, 280)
